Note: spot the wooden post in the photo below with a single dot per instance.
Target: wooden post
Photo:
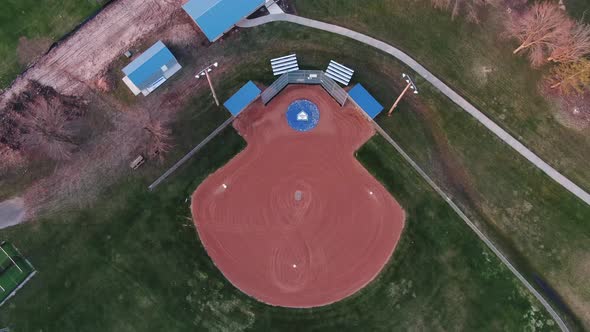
(211, 86)
(398, 99)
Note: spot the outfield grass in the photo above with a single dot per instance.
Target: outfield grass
(35, 20)
(473, 60)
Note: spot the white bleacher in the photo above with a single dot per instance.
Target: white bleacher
(339, 73)
(284, 64)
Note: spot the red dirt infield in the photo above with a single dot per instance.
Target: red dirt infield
(311, 251)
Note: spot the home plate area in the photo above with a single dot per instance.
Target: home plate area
(295, 220)
(303, 115)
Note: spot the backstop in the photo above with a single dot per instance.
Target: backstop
(305, 77)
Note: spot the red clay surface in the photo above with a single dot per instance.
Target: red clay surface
(298, 253)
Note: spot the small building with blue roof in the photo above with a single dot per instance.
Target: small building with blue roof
(365, 101)
(241, 99)
(216, 17)
(151, 69)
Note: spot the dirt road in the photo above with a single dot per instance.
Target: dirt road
(80, 60)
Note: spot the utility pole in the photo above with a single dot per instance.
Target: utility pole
(205, 72)
(410, 85)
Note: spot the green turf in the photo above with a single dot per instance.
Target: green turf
(36, 19)
(12, 276)
(4, 260)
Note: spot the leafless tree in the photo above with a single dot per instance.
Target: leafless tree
(539, 30)
(574, 46)
(159, 139)
(45, 126)
(152, 131)
(10, 157)
(571, 77)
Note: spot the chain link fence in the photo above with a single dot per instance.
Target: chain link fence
(305, 77)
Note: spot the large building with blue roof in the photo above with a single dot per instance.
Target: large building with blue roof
(216, 17)
(151, 69)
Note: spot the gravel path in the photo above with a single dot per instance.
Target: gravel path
(455, 97)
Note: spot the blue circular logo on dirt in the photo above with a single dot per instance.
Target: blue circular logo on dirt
(303, 115)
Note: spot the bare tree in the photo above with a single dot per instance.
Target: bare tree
(152, 130)
(10, 157)
(45, 126)
(571, 77)
(539, 30)
(574, 46)
(159, 139)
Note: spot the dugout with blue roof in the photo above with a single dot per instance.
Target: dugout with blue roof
(241, 99)
(149, 70)
(365, 101)
(216, 17)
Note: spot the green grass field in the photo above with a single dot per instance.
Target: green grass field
(42, 22)
(12, 275)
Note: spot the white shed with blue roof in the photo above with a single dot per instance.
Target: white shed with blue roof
(149, 70)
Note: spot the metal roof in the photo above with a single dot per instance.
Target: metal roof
(241, 99)
(365, 100)
(215, 17)
(146, 69)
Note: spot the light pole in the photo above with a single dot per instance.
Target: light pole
(205, 72)
(410, 85)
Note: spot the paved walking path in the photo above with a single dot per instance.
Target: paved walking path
(418, 68)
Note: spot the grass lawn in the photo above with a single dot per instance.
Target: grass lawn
(133, 262)
(41, 22)
(475, 62)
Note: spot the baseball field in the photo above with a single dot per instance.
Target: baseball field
(295, 220)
